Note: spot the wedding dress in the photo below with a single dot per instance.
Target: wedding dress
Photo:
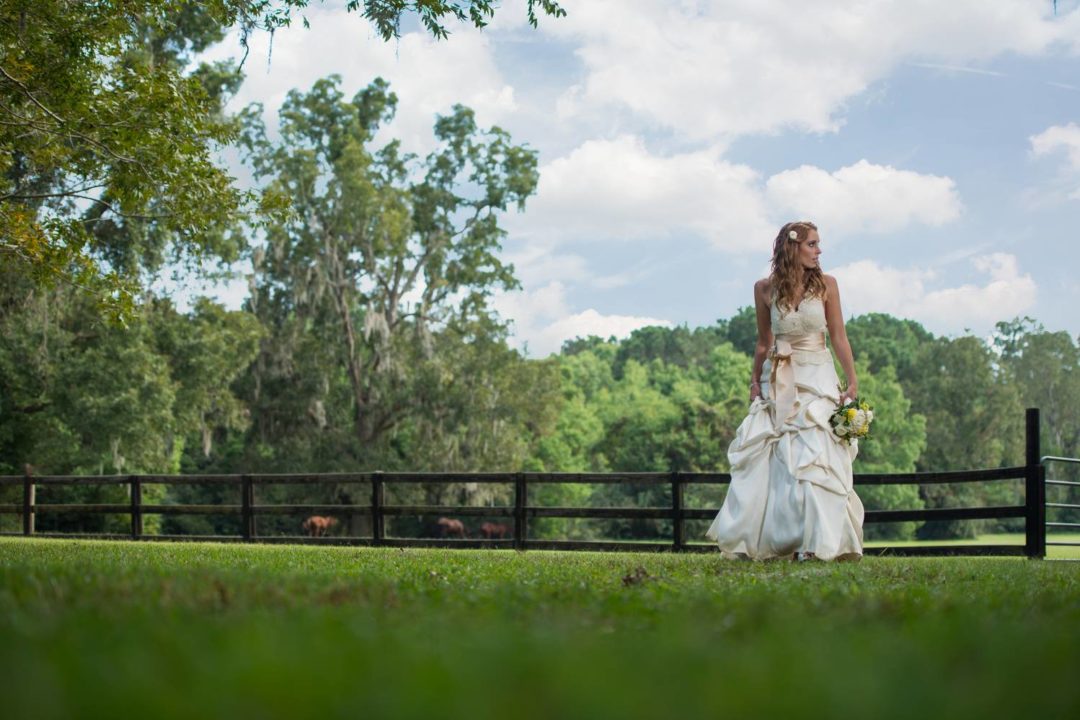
(791, 483)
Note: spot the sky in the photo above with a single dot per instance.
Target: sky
(936, 145)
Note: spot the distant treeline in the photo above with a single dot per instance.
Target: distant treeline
(214, 390)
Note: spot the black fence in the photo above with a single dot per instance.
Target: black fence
(518, 515)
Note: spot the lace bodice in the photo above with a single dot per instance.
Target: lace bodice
(808, 318)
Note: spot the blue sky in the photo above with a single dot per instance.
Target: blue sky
(936, 145)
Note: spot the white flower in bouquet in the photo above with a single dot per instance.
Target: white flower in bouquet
(852, 419)
(861, 421)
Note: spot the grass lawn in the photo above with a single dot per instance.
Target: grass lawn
(157, 630)
(1053, 552)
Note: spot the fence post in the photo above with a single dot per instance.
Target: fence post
(136, 506)
(378, 527)
(521, 493)
(679, 526)
(28, 501)
(247, 500)
(1035, 517)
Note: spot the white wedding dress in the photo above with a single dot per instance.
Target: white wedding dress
(791, 483)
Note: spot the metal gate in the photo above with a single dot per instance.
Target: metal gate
(1060, 515)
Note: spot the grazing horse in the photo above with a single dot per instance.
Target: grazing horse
(492, 530)
(449, 526)
(317, 525)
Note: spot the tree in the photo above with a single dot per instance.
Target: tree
(81, 396)
(656, 417)
(974, 419)
(885, 341)
(100, 129)
(639, 425)
(481, 407)
(675, 346)
(376, 282)
(741, 330)
(584, 344)
(591, 370)
(899, 438)
(1045, 368)
(207, 350)
(371, 231)
(106, 142)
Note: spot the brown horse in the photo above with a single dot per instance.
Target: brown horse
(449, 526)
(317, 525)
(492, 530)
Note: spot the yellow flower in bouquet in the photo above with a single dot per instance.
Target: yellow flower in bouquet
(852, 420)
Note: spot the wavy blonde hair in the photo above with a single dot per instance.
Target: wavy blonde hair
(788, 273)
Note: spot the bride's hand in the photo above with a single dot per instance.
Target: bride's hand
(850, 394)
(755, 391)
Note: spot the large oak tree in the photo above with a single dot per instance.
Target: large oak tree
(107, 137)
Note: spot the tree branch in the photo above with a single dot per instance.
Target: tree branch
(116, 212)
(26, 91)
(71, 133)
(73, 192)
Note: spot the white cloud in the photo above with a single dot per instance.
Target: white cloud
(864, 198)
(866, 286)
(543, 320)
(1056, 141)
(429, 76)
(714, 69)
(1059, 138)
(590, 322)
(617, 190)
(538, 263)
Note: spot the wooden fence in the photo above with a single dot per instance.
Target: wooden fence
(1033, 510)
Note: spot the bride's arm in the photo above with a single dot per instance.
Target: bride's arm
(764, 335)
(834, 319)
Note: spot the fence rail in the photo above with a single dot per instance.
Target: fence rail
(1033, 510)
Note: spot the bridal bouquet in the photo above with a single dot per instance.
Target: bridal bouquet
(852, 420)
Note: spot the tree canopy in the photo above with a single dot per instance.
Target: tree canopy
(108, 134)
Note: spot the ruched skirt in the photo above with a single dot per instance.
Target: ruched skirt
(791, 481)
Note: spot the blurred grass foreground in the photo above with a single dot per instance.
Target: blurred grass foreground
(121, 629)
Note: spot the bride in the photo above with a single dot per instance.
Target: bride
(791, 493)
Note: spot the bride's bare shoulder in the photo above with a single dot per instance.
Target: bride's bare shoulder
(761, 289)
(831, 286)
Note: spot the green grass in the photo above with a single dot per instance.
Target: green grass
(117, 629)
(1053, 552)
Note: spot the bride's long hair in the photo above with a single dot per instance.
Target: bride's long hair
(788, 273)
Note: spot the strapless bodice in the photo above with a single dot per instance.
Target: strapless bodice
(809, 317)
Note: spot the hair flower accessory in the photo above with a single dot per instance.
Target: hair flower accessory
(793, 235)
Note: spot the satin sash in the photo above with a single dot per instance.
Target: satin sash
(782, 374)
